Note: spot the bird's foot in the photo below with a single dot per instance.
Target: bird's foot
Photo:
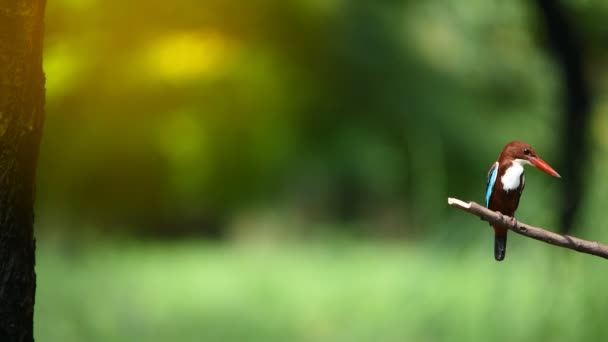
(501, 217)
(513, 222)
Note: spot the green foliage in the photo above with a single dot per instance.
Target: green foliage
(269, 121)
(192, 112)
(339, 291)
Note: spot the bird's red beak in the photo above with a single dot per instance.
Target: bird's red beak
(543, 166)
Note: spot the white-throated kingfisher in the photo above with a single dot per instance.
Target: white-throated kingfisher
(505, 184)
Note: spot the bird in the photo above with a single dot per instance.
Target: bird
(506, 183)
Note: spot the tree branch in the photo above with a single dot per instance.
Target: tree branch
(536, 233)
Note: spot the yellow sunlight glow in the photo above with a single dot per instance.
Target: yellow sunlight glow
(189, 55)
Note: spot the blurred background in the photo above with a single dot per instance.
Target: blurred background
(219, 170)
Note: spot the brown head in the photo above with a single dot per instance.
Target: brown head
(520, 151)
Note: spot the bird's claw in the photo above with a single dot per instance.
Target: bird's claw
(512, 221)
(501, 217)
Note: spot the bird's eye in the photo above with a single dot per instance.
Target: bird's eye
(526, 151)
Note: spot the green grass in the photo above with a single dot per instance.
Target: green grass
(341, 291)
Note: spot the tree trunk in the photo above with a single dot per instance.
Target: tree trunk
(568, 51)
(21, 118)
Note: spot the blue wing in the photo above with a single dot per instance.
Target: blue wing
(491, 180)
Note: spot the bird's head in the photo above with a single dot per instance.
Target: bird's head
(523, 153)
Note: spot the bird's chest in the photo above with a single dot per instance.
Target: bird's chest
(508, 188)
(512, 178)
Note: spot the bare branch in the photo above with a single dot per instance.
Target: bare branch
(536, 233)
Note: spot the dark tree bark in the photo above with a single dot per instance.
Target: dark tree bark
(568, 51)
(21, 118)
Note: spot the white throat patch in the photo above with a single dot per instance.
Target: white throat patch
(510, 180)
